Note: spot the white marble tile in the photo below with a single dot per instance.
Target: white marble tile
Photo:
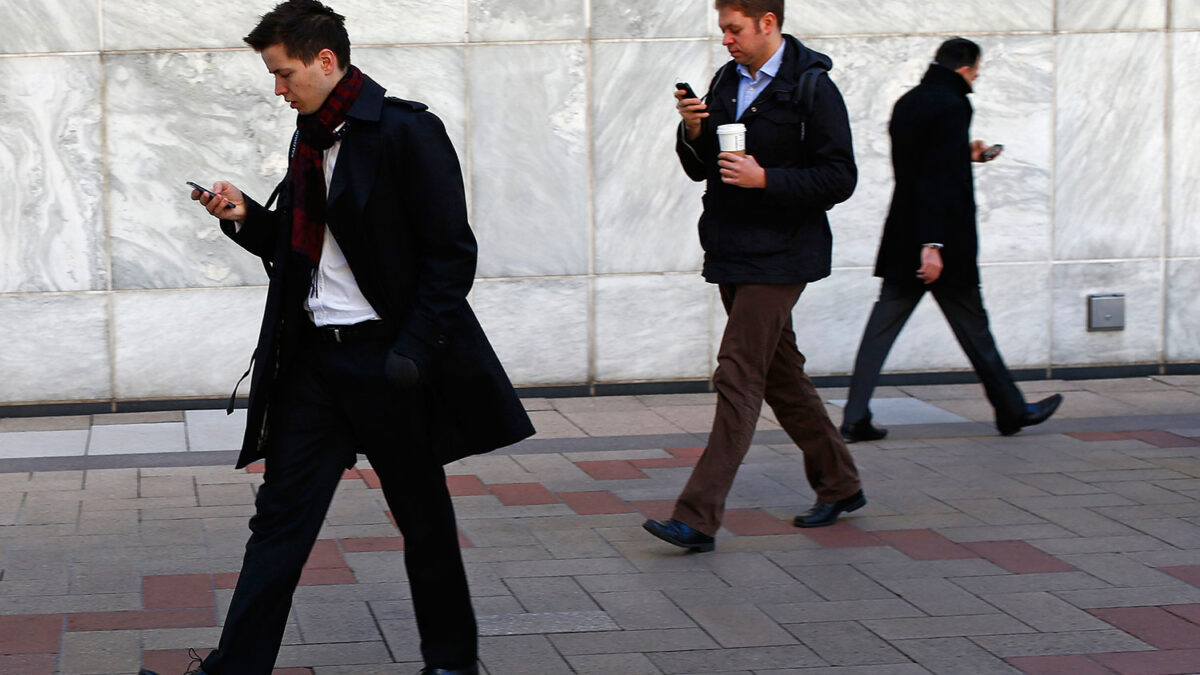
(1014, 106)
(49, 26)
(131, 24)
(1184, 233)
(435, 76)
(1183, 310)
(538, 327)
(1141, 341)
(501, 20)
(829, 319)
(184, 343)
(529, 159)
(620, 18)
(1110, 170)
(1185, 14)
(177, 117)
(212, 430)
(652, 328)
(646, 208)
(55, 347)
(1111, 14)
(137, 439)
(843, 17)
(897, 411)
(52, 216)
(1020, 312)
(26, 444)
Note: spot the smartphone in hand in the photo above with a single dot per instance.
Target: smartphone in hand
(228, 205)
(990, 153)
(687, 89)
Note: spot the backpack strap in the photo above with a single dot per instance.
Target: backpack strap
(803, 95)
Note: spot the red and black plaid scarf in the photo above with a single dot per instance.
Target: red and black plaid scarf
(316, 135)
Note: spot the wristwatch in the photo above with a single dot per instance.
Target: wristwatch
(933, 246)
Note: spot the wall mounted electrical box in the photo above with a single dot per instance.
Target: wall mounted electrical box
(1106, 312)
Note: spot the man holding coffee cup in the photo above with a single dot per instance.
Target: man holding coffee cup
(772, 140)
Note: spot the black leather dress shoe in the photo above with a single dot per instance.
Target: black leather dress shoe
(1035, 413)
(821, 515)
(862, 430)
(683, 536)
(472, 670)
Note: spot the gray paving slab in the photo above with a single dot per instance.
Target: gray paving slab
(133, 439)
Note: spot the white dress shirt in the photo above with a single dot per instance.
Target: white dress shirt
(336, 299)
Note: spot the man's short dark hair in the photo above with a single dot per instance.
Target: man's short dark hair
(304, 28)
(958, 52)
(755, 9)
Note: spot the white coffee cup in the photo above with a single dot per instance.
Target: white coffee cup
(732, 138)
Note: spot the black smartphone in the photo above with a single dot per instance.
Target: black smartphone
(204, 189)
(687, 88)
(991, 152)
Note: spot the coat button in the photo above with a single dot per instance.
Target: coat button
(754, 110)
(441, 339)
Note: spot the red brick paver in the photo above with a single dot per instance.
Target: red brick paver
(755, 522)
(466, 486)
(924, 545)
(325, 555)
(28, 664)
(372, 544)
(1189, 612)
(327, 577)
(1157, 438)
(1173, 662)
(590, 503)
(1072, 664)
(1018, 557)
(840, 535)
(692, 453)
(177, 591)
(1154, 626)
(523, 494)
(1189, 573)
(30, 633)
(370, 478)
(615, 469)
(663, 462)
(225, 580)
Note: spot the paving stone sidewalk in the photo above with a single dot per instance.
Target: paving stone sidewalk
(1070, 548)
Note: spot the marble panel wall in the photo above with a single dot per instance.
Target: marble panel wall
(1110, 146)
(1185, 14)
(1111, 14)
(1183, 310)
(538, 327)
(55, 347)
(529, 171)
(194, 342)
(646, 209)
(52, 213)
(32, 26)
(1142, 283)
(561, 114)
(1184, 233)
(652, 327)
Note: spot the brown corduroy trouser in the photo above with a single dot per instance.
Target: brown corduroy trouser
(758, 360)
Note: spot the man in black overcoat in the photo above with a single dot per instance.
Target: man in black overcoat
(765, 236)
(930, 243)
(367, 344)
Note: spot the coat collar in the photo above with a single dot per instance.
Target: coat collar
(360, 149)
(941, 76)
(797, 58)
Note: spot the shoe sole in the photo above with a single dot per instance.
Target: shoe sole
(698, 548)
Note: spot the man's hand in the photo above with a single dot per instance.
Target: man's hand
(741, 171)
(226, 194)
(931, 264)
(692, 112)
(977, 148)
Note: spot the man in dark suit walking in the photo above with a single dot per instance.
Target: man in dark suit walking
(765, 235)
(367, 345)
(930, 243)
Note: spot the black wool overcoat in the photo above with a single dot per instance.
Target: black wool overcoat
(934, 198)
(397, 208)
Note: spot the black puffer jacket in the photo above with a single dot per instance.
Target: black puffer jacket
(780, 234)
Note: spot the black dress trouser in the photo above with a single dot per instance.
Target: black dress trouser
(332, 402)
(963, 308)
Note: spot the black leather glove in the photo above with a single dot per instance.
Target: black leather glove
(402, 371)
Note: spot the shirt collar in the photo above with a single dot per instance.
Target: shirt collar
(770, 68)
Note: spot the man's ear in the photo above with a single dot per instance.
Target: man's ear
(769, 21)
(328, 61)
